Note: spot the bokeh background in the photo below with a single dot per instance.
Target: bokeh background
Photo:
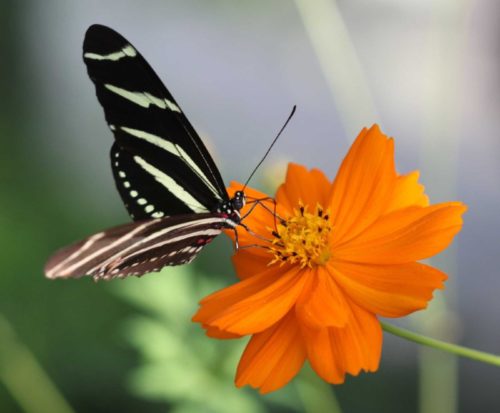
(427, 71)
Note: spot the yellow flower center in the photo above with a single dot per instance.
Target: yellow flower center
(304, 238)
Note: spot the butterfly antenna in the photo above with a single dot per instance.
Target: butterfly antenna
(271, 146)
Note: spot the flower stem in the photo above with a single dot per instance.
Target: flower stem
(316, 395)
(442, 345)
(25, 378)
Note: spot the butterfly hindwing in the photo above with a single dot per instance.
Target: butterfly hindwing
(148, 124)
(136, 248)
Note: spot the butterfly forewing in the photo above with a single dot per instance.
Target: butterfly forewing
(147, 122)
(136, 248)
(138, 190)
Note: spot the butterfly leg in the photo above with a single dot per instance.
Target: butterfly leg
(253, 234)
(237, 246)
(236, 239)
(260, 201)
(244, 247)
(255, 203)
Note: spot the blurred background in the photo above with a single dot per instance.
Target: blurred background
(427, 71)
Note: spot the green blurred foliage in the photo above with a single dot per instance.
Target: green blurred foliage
(180, 365)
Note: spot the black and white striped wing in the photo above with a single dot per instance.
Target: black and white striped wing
(160, 164)
(136, 248)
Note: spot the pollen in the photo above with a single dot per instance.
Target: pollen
(303, 238)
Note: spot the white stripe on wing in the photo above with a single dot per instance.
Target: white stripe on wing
(172, 186)
(174, 149)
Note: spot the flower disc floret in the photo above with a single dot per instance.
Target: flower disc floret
(303, 238)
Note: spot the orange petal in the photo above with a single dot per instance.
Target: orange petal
(251, 261)
(324, 304)
(309, 187)
(214, 332)
(408, 192)
(406, 235)
(217, 302)
(255, 303)
(333, 352)
(364, 184)
(251, 247)
(272, 358)
(388, 290)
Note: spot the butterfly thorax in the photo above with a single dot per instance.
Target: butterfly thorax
(231, 209)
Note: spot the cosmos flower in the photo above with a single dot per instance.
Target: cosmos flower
(325, 262)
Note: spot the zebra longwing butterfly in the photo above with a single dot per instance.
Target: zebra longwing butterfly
(166, 178)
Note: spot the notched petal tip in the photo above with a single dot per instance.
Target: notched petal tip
(214, 332)
(301, 185)
(357, 347)
(272, 358)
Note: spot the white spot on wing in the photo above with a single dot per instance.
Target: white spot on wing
(133, 194)
(142, 201)
(149, 208)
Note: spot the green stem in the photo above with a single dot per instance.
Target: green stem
(316, 395)
(442, 345)
(25, 378)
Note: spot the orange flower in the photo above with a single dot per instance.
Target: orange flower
(336, 256)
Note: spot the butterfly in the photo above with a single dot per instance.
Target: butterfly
(166, 178)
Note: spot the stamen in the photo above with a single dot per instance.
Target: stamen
(304, 238)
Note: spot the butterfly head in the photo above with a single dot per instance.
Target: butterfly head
(238, 201)
(231, 209)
